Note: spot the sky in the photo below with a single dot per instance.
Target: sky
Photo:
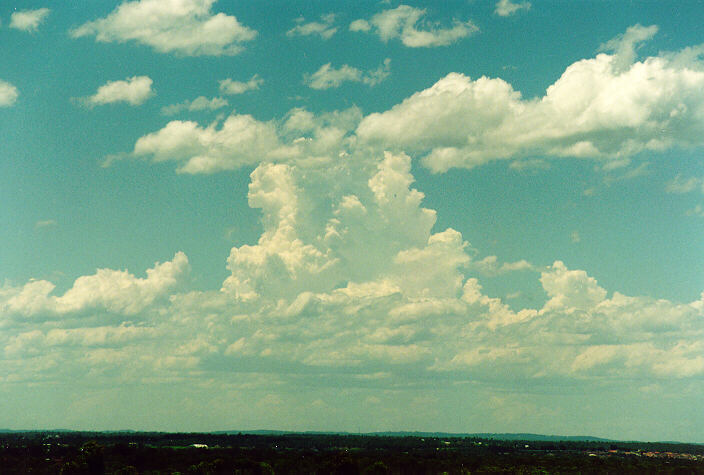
(460, 216)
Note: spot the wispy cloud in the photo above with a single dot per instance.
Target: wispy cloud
(198, 104)
(401, 23)
(329, 77)
(323, 28)
(232, 87)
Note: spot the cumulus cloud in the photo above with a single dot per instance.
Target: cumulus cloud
(228, 86)
(134, 91)
(508, 8)
(323, 28)
(28, 20)
(596, 109)
(401, 23)
(8, 94)
(329, 77)
(111, 290)
(198, 104)
(241, 140)
(185, 27)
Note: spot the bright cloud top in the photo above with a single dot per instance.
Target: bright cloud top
(401, 23)
(134, 91)
(185, 27)
(600, 108)
(8, 94)
(329, 77)
(323, 28)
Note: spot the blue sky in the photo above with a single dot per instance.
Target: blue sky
(462, 216)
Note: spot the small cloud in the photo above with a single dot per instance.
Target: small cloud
(575, 237)
(508, 8)
(324, 28)
(328, 77)
(198, 104)
(8, 94)
(360, 25)
(624, 46)
(187, 28)
(400, 23)
(135, 91)
(696, 211)
(489, 266)
(28, 20)
(49, 223)
(230, 87)
(680, 185)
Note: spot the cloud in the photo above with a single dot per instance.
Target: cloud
(696, 211)
(134, 91)
(198, 104)
(679, 185)
(241, 140)
(111, 290)
(400, 23)
(624, 46)
(228, 86)
(184, 27)
(325, 28)
(596, 109)
(48, 223)
(8, 94)
(489, 266)
(508, 8)
(28, 20)
(328, 77)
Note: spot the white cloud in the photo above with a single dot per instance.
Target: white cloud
(111, 290)
(596, 109)
(508, 8)
(28, 20)
(8, 94)
(228, 86)
(328, 77)
(198, 104)
(400, 23)
(241, 140)
(134, 91)
(324, 28)
(185, 27)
